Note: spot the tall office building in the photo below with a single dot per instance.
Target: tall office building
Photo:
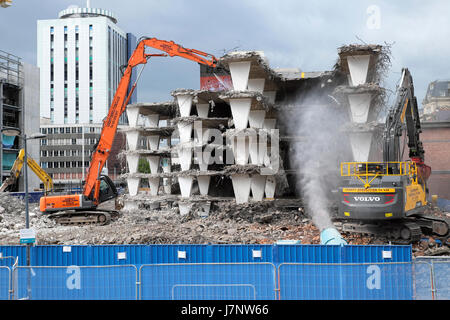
(80, 55)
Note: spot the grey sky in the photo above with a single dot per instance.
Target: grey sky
(292, 33)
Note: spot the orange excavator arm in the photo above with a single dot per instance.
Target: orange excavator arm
(121, 99)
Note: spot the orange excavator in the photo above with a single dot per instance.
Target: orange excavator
(83, 208)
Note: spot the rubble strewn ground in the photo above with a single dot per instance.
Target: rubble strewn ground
(244, 224)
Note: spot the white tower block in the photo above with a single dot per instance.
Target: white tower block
(240, 148)
(186, 186)
(241, 187)
(133, 162)
(256, 85)
(361, 142)
(203, 184)
(240, 109)
(132, 139)
(270, 187)
(133, 115)
(258, 186)
(270, 95)
(359, 106)
(256, 118)
(133, 186)
(153, 142)
(185, 158)
(185, 131)
(358, 66)
(153, 162)
(154, 185)
(184, 104)
(202, 110)
(239, 74)
(153, 120)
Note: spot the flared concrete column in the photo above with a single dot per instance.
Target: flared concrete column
(269, 124)
(205, 208)
(203, 110)
(153, 120)
(253, 149)
(258, 187)
(358, 66)
(133, 162)
(240, 148)
(133, 186)
(241, 187)
(359, 106)
(154, 185)
(166, 166)
(203, 160)
(271, 183)
(256, 85)
(239, 74)
(185, 131)
(132, 139)
(203, 184)
(256, 118)
(185, 185)
(133, 116)
(185, 208)
(240, 109)
(153, 142)
(361, 143)
(153, 162)
(185, 158)
(184, 104)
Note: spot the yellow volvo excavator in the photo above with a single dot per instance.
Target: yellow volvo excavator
(33, 165)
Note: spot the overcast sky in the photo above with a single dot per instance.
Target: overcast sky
(292, 33)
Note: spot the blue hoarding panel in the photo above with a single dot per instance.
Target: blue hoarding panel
(77, 283)
(5, 274)
(208, 282)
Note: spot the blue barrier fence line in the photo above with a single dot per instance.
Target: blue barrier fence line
(5, 283)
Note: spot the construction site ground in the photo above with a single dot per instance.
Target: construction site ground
(230, 224)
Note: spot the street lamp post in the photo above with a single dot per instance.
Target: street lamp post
(17, 132)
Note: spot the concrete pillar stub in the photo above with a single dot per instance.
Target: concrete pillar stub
(239, 74)
(258, 187)
(269, 123)
(185, 208)
(358, 66)
(205, 208)
(361, 143)
(359, 106)
(256, 85)
(153, 142)
(153, 162)
(132, 139)
(133, 162)
(133, 186)
(203, 110)
(185, 131)
(185, 185)
(241, 187)
(184, 104)
(153, 120)
(203, 184)
(240, 109)
(185, 158)
(256, 118)
(133, 116)
(154, 185)
(270, 187)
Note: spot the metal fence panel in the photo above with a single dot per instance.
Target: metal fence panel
(441, 277)
(422, 280)
(208, 281)
(382, 281)
(5, 284)
(76, 283)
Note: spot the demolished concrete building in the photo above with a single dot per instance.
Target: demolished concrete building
(227, 142)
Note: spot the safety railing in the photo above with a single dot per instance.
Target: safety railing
(425, 279)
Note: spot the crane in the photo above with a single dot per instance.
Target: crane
(17, 167)
(389, 198)
(99, 188)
